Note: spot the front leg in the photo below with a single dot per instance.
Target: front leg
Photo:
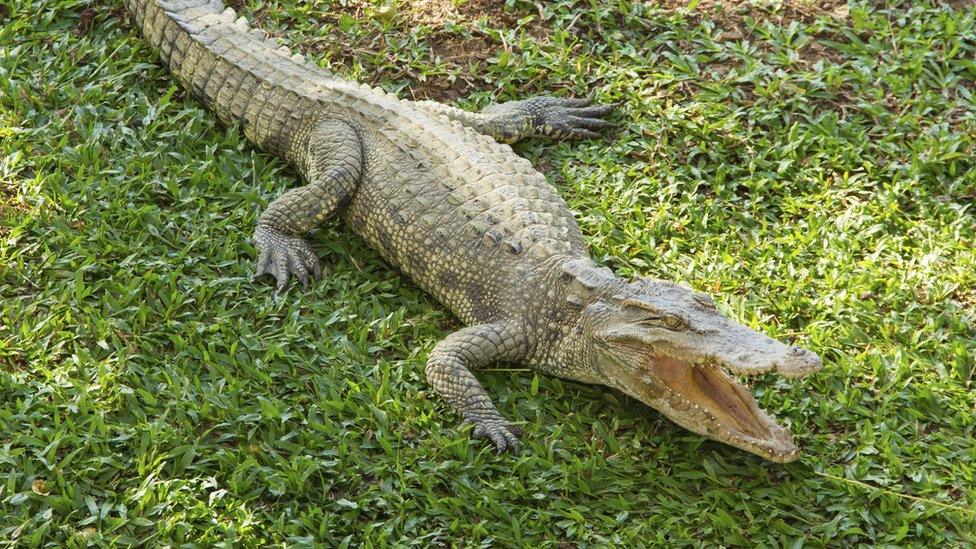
(448, 371)
(543, 116)
(330, 158)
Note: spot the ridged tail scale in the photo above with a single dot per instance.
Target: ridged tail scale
(241, 74)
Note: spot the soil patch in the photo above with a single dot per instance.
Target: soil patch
(732, 17)
(960, 4)
(460, 53)
(731, 14)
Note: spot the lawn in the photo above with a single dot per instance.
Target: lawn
(811, 164)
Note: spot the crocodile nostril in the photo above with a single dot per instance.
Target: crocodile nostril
(810, 360)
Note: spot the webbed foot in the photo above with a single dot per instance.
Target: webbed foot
(283, 255)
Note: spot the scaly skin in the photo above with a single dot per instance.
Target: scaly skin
(435, 191)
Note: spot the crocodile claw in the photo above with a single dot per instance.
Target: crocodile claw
(503, 435)
(282, 256)
(563, 118)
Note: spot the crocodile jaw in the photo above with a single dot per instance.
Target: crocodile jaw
(703, 398)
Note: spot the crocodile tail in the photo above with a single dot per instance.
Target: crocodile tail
(168, 25)
(239, 73)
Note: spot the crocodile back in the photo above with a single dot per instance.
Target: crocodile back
(461, 214)
(464, 216)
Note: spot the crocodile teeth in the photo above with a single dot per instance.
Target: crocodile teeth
(241, 23)
(749, 372)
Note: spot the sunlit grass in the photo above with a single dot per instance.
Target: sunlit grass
(817, 177)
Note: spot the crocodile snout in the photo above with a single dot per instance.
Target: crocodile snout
(800, 362)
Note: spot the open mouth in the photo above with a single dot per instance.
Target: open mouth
(705, 399)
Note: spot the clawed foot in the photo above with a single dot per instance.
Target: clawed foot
(501, 433)
(283, 255)
(562, 118)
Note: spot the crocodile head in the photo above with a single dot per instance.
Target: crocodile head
(671, 348)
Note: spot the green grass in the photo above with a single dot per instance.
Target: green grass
(817, 176)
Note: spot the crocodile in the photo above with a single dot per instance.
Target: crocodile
(440, 194)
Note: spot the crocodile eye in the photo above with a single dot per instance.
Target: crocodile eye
(672, 322)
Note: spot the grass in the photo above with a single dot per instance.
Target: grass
(814, 171)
